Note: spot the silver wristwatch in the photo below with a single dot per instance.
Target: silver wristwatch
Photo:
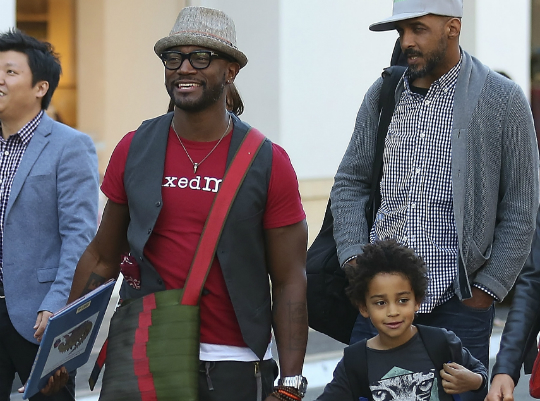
(299, 382)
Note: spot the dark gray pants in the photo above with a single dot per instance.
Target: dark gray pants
(17, 356)
(237, 381)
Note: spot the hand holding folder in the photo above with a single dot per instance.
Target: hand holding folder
(67, 341)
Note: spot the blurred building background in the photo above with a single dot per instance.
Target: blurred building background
(310, 63)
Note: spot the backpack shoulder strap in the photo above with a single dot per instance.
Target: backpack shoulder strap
(438, 348)
(387, 103)
(436, 345)
(355, 361)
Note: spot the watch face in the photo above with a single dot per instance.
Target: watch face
(298, 382)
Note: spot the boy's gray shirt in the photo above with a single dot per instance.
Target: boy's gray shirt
(494, 178)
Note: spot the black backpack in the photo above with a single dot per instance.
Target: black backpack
(329, 310)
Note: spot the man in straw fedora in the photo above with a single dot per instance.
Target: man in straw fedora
(265, 234)
(459, 177)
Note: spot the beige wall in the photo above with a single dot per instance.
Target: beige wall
(314, 195)
(120, 79)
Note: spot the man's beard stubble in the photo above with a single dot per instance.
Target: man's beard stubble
(432, 60)
(210, 95)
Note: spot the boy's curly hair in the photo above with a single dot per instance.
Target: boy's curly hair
(385, 257)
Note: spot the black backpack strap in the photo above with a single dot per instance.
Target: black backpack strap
(436, 345)
(355, 361)
(387, 103)
(438, 348)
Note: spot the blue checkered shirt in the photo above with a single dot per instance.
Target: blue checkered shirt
(12, 151)
(416, 187)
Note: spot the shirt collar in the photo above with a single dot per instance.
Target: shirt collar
(445, 82)
(27, 132)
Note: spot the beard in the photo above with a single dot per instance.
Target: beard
(210, 95)
(431, 60)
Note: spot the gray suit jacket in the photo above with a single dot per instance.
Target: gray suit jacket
(494, 178)
(50, 218)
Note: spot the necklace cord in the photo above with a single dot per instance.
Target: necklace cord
(196, 165)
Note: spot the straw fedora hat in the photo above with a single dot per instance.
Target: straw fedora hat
(205, 27)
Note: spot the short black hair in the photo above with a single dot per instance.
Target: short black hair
(385, 257)
(42, 60)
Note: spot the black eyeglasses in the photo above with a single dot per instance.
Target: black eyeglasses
(199, 59)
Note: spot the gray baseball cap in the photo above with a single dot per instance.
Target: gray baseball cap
(407, 9)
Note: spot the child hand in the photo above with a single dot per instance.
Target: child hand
(457, 379)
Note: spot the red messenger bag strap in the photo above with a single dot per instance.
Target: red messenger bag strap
(206, 249)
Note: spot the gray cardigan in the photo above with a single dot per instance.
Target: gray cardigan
(494, 178)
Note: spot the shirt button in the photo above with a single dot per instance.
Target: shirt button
(413, 205)
(422, 135)
(417, 171)
(405, 238)
(6, 153)
(427, 101)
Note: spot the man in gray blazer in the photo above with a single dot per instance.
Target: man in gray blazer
(459, 182)
(48, 205)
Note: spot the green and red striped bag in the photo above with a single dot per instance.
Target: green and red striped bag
(152, 352)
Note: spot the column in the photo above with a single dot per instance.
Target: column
(7, 16)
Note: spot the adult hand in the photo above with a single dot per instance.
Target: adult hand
(56, 382)
(502, 388)
(41, 323)
(457, 379)
(480, 299)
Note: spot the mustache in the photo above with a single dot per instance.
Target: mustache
(412, 53)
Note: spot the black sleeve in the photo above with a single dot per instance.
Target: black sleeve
(464, 358)
(523, 321)
(338, 389)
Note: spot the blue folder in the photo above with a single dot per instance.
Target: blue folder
(69, 337)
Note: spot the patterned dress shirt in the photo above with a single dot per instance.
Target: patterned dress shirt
(416, 187)
(12, 151)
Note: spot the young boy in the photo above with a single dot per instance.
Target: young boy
(402, 362)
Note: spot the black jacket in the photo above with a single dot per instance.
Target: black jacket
(350, 380)
(523, 322)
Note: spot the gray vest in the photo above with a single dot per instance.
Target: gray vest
(241, 249)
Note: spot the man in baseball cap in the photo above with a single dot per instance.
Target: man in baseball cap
(459, 181)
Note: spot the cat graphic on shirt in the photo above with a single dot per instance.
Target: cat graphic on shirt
(401, 385)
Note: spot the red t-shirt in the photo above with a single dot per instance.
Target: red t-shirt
(187, 198)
